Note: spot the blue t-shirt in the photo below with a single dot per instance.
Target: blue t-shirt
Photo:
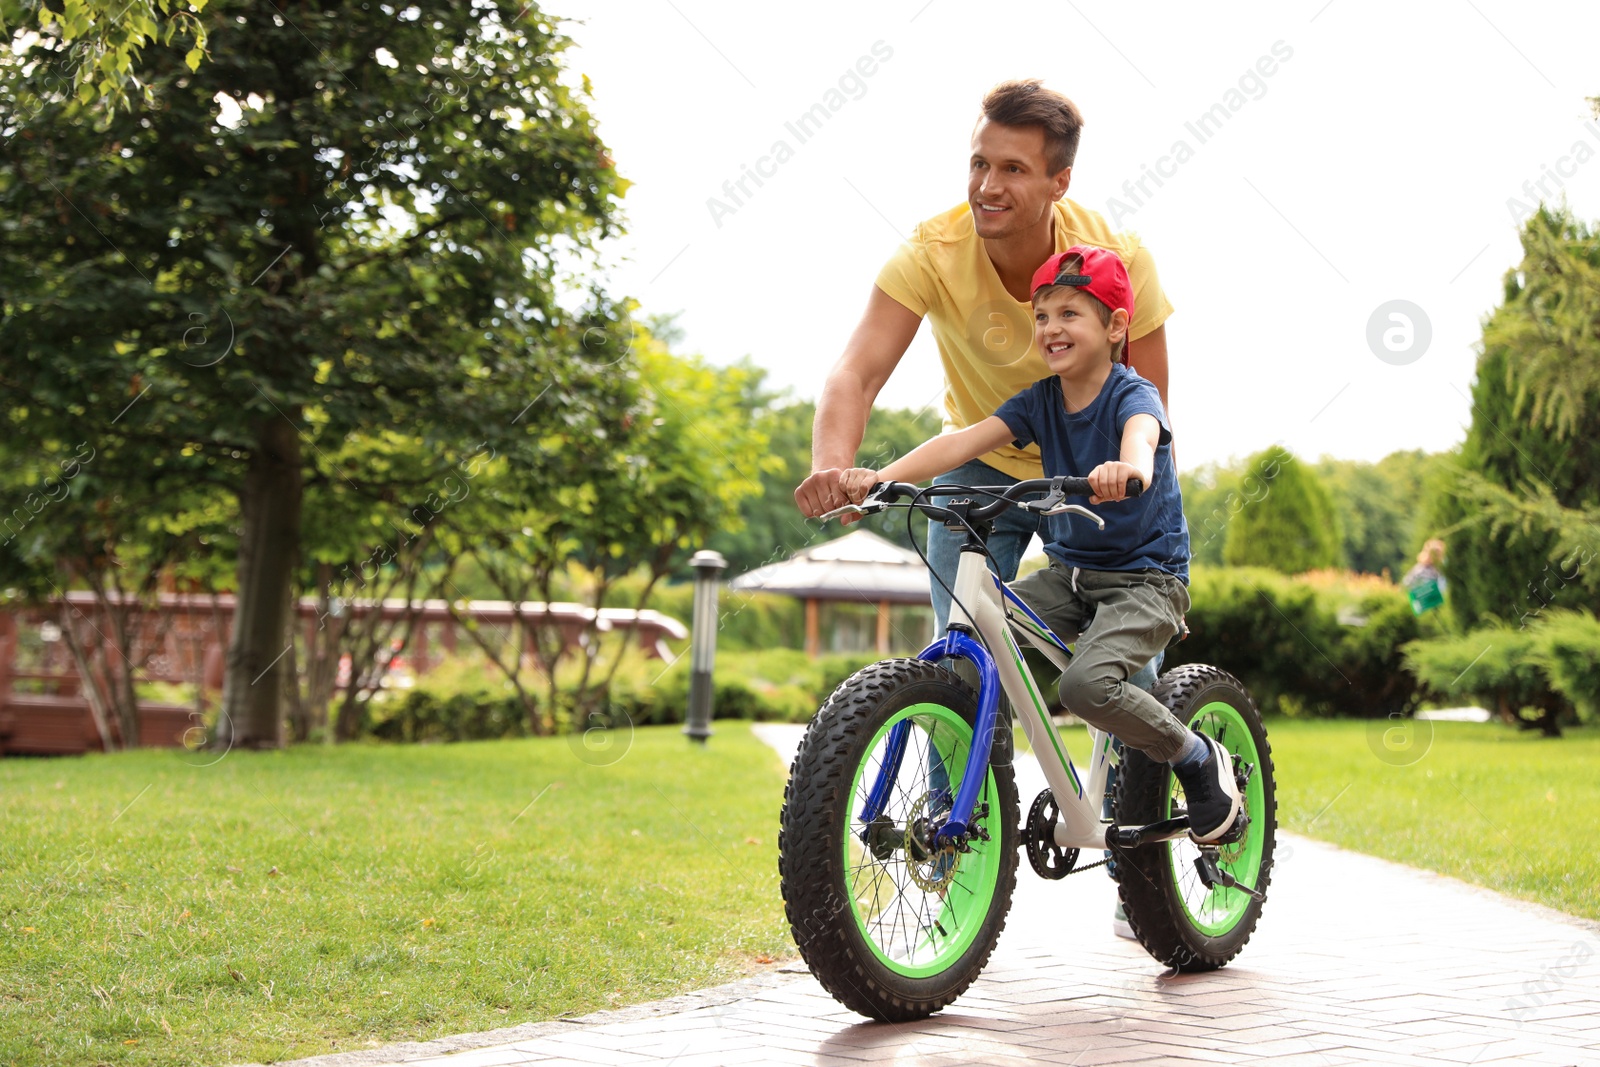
(1146, 531)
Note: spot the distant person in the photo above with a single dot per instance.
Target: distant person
(1424, 583)
(1119, 592)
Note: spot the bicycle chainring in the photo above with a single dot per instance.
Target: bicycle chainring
(1048, 859)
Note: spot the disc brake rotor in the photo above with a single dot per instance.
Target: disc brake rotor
(930, 870)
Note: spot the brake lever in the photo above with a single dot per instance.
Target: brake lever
(1044, 504)
(848, 509)
(1076, 509)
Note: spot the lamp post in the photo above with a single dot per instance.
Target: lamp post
(703, 650)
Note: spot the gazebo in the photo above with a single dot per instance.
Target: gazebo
(860, 567)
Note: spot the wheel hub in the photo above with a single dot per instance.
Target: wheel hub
(930, 869)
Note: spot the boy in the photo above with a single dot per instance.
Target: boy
(1120, 592)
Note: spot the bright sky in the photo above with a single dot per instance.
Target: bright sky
(1375, 163)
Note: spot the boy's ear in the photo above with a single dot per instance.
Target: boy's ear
(1117, 328)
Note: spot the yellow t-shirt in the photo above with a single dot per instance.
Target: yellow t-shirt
(985, 337)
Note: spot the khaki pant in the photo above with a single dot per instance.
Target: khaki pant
(1120, 619)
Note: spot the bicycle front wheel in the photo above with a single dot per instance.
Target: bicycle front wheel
(894, 928)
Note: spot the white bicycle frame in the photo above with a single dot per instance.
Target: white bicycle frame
(998, 616)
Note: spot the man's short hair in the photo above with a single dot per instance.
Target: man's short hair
(1026, 102)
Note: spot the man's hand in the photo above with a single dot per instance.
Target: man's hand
(1110, 481)
(820, 493)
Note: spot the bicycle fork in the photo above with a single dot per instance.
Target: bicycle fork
(1080, 825)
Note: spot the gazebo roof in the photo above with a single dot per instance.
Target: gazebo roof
(859, 566)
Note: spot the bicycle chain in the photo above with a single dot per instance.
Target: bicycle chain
(1087, 867)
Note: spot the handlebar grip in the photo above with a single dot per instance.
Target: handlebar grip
(1081, 487)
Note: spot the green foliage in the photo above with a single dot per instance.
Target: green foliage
(1522, 500)
(1568, 651)
(467, 699)
(602, 509)
(458, 700)
(1213, 494)
(1287, 521)
(781, 685)
(1544, 674)
(318, 304)
(773, 528)
(1302, 647)
(1378, 505)
(102, 40)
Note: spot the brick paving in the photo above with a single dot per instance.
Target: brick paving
(1356, 961)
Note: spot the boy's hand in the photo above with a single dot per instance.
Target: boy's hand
(857, 482)
(1110, 481)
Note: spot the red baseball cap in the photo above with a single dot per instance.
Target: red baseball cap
(1102, 276)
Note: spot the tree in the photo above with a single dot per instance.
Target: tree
(103, 39)
(667, 470)
(83, 519)
(773, 528)
(1521, 503)
(1213, 494)
(1378, 505)
(1291, 525)
(365, 237)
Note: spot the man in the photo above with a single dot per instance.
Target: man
(969, 271)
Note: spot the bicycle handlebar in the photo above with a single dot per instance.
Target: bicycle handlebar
(883, 494)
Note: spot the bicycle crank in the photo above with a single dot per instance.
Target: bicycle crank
(1048, 859)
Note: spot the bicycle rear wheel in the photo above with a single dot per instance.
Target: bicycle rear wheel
(1179, 920)
(892, 927)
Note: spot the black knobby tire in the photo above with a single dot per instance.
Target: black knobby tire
(1157, 881)
(825, 896)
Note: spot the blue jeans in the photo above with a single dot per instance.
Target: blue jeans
(1013, 529)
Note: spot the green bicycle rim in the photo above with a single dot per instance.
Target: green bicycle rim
(939, 930)
(1216, 911)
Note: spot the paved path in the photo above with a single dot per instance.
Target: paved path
(1357, 961)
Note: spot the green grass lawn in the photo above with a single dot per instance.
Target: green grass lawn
(1483, 802)
(1486, 803)
(321, 899)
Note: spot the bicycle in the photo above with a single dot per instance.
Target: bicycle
(900, 826)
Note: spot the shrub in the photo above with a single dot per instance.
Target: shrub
(1496, 666)
(1567, 649)
(459, 700)
(1326, 646)
(778, 685)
